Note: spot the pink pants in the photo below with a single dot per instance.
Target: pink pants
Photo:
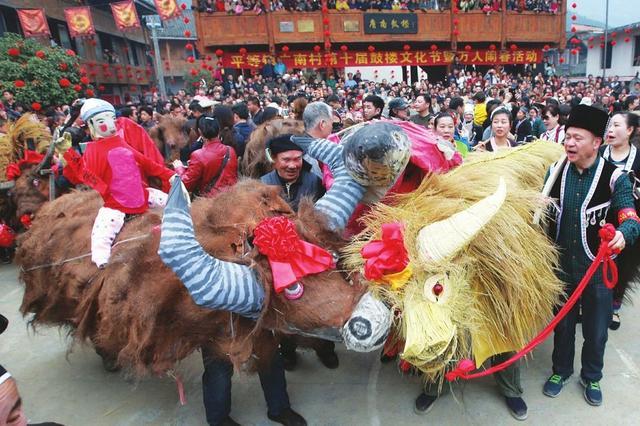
(108, 224)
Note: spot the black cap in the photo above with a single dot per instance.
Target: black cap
(588, 118)
(280, 144)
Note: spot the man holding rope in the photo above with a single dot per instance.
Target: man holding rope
(588, 192)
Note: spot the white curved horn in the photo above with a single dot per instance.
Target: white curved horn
(444, 238)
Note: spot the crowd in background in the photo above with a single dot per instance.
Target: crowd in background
(487, 6)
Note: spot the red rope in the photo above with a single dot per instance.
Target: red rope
(610, 277)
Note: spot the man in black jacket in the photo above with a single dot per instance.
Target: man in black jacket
(522, 126)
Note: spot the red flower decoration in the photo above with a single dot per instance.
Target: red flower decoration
(19, 83)
(70, 52)
(40, 54)
(77, 87)
(219, 52)
(84, 80)
(188, 46)
(344, 47)
(187, 33)
(387, 255)
(290, 257)
(14, 51)
(64, 83)
(36, 106)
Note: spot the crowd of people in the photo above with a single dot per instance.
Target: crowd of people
(487, 6)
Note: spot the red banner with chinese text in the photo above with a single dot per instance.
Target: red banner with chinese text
(167, 9)
(384, 58)
(79, 21)
(125, 15)
(34, 22)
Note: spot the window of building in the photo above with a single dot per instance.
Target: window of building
(609, 54)
(636, 51)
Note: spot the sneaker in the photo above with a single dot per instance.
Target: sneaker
(615, 321)
(554, 385)
(517, 407)
(424, 403)
(592, 392)
(288, 418)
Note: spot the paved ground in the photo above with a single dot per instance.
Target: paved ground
(71, 387)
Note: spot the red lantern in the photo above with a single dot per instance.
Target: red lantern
(70, 52)
(574, 29)
(203, 65)
(64, 83)
(456, 21)
(129, 75)
(325, 21)
(514, 47)
(574, 51)
(627, 30)
(573, 5)
(84, 80)
(325, 9)
(101, 88)
(433, 47)
(601, 38)
(614, 34)
(188, 46)
(40, 54)
(562, 60)
(627, 39)
(77, 87)
(7, 236)
(191, 59)
(371, 49)
(327, 33)
(327, 45)
(194, 72)
(344, 48)
(36, 106)
(467, 48)
(456, 32)
(219, 52)
(492, 47)
(90, 93)
(83, 71)
(243, 51)
(186, 20)
(601, 45)
(285, 48)
(14, 51)
(546, 47)
(591, 46)
(574, 40)
(316, 48)
(93, 74)
(183, 6)
(187, 34)
(455, 10)
(19, 83)
(613, 42)
(591, 39)
(574, 17)
(207, 58)
(406, 47)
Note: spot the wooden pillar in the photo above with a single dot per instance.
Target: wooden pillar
(325, 37)
(269, 17)
(454, 38)
(503, 26)
(562, 16)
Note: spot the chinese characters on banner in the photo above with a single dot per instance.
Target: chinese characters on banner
(79, 21)
(167, 9)
(125, 15)
(34, 22)
(388, 58)
(390, 23)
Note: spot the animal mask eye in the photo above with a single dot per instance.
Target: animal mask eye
(437, 288)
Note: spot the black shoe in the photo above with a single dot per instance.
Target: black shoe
(615, 321)
(288, 418)
(329, 359)
(385, 359)
(424, 403)
(228, 421)
(290, 360)
(517, 407)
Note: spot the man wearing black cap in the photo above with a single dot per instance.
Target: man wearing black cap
(587, 192)
(399, 109)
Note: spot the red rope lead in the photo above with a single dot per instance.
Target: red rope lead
(610, 277)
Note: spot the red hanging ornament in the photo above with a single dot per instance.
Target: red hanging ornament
(614, 34)
(325, 21)
(101, 88)
(219, 52)
(325, 9)
(243, 51)
(591, 46)
(455, 10)
(406, 48)
(344, 47)
(371, 48)
(90, 93)
(327, 45)
(433, 47)
(194, 72)
(546, 47)
(562, 60)
(327, 33)
(613, 42)
(13, 51)
(93, 74)
(456, 32)
(467, 48)
(574, 40)
(40, 54)
(188, 46)
(573, 5)
(64, 83)
(601, 45)
(574, 17)
(285, 48)
(77, 87)
(19, 84)
(627, 39)
(186, 20)
(36, 106)
(456, 21)
(514, 47)
(84, 80)
(602, 38)
(492, 47)
(574, 29)
(191, 59)
(591, 39)
(316, 48)
(574, 51)
(183, 6)
(187, 34)
(207, 58)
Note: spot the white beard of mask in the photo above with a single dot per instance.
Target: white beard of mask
(102, 125)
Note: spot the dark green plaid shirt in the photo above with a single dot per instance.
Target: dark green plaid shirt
(574, 261)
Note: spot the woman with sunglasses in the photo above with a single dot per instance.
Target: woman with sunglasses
(552, 121)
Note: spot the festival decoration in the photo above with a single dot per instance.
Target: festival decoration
(125, 15)
(167, 9)
(34, 22)
(386, 259)
(79, 21)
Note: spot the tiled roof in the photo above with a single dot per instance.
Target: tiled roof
(175, 28)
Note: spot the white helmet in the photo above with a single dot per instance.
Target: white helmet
(95, 106)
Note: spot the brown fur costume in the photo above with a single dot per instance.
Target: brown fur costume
(170, 136)
(136, 311)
